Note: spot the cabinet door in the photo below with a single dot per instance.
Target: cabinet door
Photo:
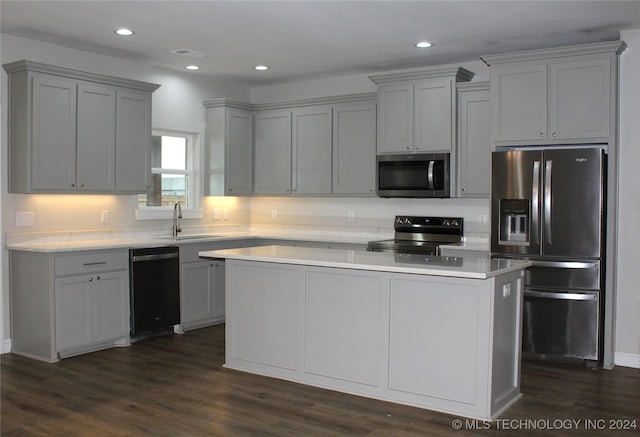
(111, 305)
(239, 152)
(53, 158)
(272, 166)
(354, 148)
(96, 148)
(311, 154)
(74, 311)
(395, 118)
(133, 141)
(196, 291)
(519, 102)
(474, 141)
(433, 115)
(580, 99)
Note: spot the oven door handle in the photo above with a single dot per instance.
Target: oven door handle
(562, 295)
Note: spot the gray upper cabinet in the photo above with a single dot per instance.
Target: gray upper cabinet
(96, 136)
(228, 148)
(133, 145)
(311, 150)
(311, 147)
(417, 110)
(474, 139)
(72, 131)
(272, 152)
(556, 96)
(354, 149)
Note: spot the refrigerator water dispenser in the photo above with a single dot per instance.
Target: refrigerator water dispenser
(514, 222)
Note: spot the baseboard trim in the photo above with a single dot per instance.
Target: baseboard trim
(627, 360)
(6, 347)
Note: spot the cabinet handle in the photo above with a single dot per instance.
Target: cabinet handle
(81, 185)
(90, 279)
(464, 189)
(555, 134)
(408, 147)
(73, 185)
(94, 263)
(541, 134)
(98, 278)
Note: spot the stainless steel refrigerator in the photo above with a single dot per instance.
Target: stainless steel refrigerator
(548, 205)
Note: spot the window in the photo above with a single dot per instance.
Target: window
(172, 174)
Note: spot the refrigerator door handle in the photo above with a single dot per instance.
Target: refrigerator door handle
(548, 166)
(566, 264)
(535, 202)
(593, 296)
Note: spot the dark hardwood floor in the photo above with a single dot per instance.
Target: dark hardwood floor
(176, 386)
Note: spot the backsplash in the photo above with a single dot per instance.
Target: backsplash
(365, 214)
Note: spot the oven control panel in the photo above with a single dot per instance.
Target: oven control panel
(445, 225)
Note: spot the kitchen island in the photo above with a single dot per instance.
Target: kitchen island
(441, 333)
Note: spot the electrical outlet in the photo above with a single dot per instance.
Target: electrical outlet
(351, 216)
(506, 290)
(25, 218)
(225, 214)
(104, 216)
(274, 214)
(482, 218)
(217, 213)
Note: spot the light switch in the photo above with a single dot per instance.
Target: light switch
(104, 216)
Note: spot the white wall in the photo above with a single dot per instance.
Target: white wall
(627, 345)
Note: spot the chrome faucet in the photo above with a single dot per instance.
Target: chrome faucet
(177, 214)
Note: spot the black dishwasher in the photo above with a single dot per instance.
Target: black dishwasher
(154, 279)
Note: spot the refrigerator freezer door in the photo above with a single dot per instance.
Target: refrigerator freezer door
(573, 202)
(515, 202)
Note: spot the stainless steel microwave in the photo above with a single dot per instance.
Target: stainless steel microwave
(415, 175)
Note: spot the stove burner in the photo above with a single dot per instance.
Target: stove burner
(421, 235)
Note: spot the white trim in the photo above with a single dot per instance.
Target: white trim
(6, 347)
(166, 212)
(627, 360)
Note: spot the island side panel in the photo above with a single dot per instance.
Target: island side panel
(262, 332)
(342, 320)
(439, 342)
(507, 341)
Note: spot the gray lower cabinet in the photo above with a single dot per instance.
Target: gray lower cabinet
(75, 132)
(556, 96)
(91, 309)
(63, 304)
(202, 284)
(474, 140)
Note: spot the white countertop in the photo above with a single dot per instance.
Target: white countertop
(473, 267)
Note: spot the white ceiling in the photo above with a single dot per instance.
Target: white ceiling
(308, 39)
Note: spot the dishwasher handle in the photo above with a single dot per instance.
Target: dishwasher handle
(154, 257)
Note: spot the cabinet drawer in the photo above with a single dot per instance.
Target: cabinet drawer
(89, 262)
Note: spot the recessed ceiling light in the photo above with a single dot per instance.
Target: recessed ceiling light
(261, 67)
(423, 44)
(124, 32)
(192, 67)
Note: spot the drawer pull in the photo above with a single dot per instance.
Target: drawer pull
(97, 263)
